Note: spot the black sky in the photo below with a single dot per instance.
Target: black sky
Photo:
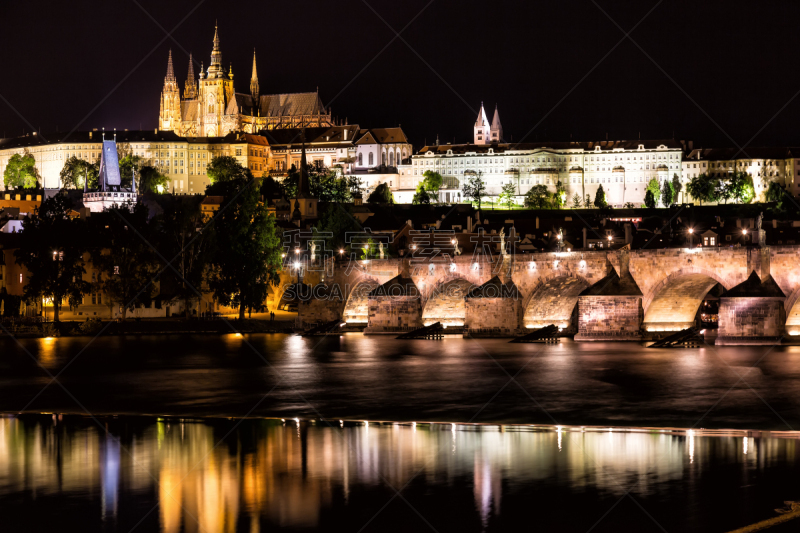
(717, 72)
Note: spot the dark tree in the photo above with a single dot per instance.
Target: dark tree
(421, 196)
(600, 198)
(649, 199)
(52, 251)
(667, 193)
(538, 197)
(677, 187)
(474, 188)
(151, 180)
(248, 253)
(123, 240)
(188, 241)
(76, 171)
(334, 224)
(381, 195)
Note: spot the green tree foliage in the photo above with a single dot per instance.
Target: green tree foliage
(248, 258)
(421, 196)
(151, 180)
(667, 194)
(189, 243)
(739, 187)
(271, 188)
(381, 195)
(226, 168)
(52, 249)
(677, 187)
(559, 199)
(122, 252)
(655, 187)
(774, 193)
(21, 172)
(703, 188)
(129, 164)
(291, 182)
(600, 198)
(432, 182)
(474, 188)
(538, 197)
(334, 224)
(507, 195)
(75, 171)
(649, 199)
(576, 201)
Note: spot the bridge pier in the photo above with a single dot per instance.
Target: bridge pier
(395, 306)
(494, 309)
(611, 309)
(752, 313)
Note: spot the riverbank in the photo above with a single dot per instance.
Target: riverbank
(146, 326)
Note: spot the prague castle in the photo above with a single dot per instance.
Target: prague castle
(211, 107)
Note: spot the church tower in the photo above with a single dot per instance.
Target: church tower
(497, 128)
(190, 91)
(254, 92)
(170, 113)
(481, 130)
(305, 205)
(215, 92)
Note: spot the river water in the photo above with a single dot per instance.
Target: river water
(127, 474)
(476, 435)
(380, 378)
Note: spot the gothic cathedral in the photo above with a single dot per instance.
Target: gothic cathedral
(210, 107)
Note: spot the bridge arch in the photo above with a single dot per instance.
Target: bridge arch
(793, 313)
(553, 301)
(672, 304)
(446, 303)
(356, 309)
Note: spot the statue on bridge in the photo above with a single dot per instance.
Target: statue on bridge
(503, 241)
(759, 220)
(313, 251)
(380, 249)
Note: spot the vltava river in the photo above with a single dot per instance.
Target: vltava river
(171, 475)
(380, 378)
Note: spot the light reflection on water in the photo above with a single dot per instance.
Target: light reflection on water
(298, 473)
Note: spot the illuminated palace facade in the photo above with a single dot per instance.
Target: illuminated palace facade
(211, 107)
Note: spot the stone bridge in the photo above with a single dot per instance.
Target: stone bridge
(612, 294)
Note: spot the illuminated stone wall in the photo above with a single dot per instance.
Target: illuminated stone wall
(609, 318)
(497, 316)
(394, 313)
(750, 320)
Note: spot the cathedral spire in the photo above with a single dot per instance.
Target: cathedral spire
(190, 92)
(497, 128)
(481, 129)
(170, 71)
(254, 82)
(215, 69)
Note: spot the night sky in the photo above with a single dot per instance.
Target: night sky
(714, 72)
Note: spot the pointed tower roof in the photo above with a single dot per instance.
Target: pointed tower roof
(190, 75)
(496, 119)
(170, 71)
(254, 89)
(190, 91)
(482, 120)
(215, 69)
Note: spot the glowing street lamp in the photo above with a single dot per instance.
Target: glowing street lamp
(744, 231)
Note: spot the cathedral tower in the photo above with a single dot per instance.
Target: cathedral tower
(481, 129)
(215, 92)
(190, 91)
(170, 113)
(497, 128)
(254, 92)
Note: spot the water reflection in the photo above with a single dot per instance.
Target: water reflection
(298, 473)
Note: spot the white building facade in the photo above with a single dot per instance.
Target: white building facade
(623, 168)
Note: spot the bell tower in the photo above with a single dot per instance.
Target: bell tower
(481, 130)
